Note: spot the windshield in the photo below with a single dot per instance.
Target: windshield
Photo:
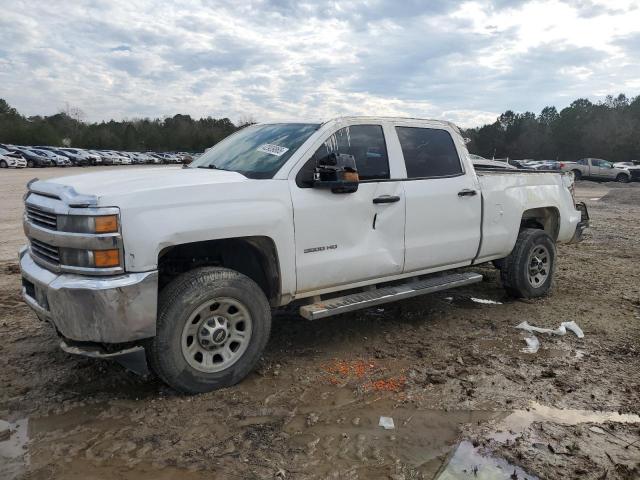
(258, 151)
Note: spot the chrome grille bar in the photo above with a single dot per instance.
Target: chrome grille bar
(42, 217)
(46, 251)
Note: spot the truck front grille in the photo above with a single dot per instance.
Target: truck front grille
(47, 252)
(42, 218)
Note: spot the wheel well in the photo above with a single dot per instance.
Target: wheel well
(545, 218)
(255, 257)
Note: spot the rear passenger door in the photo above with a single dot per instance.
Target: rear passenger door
(443, 203)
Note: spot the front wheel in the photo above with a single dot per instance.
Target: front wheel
(622, 178)
(213, 324)
(528, 270)
(3, 164)
(30, 163)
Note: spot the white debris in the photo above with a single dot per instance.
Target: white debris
(561, 330)
(485, 301)
(533, 344)
(386, 423)
(573, 326)
(597, 430)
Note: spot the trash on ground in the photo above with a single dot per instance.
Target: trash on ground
(386, 423)
(485, 301)
(533, 344)
(561, 330)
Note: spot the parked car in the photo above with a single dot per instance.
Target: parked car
(82, 157)
(633, 167)
(9, 159)
(303, 214)
(75, 159)
(58, 160)
(33, 159)
(596, 168)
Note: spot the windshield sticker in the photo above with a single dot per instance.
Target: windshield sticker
(271, 149)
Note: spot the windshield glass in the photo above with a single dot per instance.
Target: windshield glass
(258, 151)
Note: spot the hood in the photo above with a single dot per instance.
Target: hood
(135, 180)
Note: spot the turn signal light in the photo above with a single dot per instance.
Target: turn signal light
(106, 224)
(106, 258)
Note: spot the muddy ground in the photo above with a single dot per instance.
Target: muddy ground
(466, 401)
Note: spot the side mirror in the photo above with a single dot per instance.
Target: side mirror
(337, 172)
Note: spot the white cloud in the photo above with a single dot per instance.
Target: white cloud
(284, 59)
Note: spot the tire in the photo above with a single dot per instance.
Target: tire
(30, 163)
(187, 308)
(518, 273)
(577, 174)
(622, 178)
(3, 164)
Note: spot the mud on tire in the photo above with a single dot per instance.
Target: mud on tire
(192, 296)
(528, 270)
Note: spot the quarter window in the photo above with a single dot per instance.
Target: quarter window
(428, 152)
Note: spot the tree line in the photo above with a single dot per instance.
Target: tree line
(172, 134)
(608, 129)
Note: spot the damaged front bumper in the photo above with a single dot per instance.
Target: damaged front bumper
(583, 224)
(105, 310)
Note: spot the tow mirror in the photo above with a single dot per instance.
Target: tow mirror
(338, 172)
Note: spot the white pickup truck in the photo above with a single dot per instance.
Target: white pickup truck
(186, 265)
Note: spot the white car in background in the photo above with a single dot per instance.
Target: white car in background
(633, 167)
(11, 159)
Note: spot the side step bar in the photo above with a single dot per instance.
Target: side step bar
(356, 301)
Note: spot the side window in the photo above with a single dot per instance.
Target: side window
(428, 152)
(365, 142)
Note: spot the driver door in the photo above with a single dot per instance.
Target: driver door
(343, 238)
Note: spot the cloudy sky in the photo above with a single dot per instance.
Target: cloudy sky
(287, 59)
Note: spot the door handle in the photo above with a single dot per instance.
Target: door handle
(467, 192)
(386, 199)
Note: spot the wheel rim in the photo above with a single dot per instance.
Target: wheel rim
(539, 266)
(216, 334)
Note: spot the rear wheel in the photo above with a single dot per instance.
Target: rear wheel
(577, 174)
(528, 270)
(622, 178)
(213, 324)
(3, 164)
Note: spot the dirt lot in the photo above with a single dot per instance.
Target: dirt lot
(466, 401)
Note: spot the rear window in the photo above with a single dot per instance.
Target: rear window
(428, 152)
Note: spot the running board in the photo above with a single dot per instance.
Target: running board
(356, 301)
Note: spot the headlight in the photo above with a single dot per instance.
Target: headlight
(88, 223)
(90, 258)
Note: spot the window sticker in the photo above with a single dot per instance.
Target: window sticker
(271, 149)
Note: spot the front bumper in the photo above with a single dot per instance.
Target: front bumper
(113, 309)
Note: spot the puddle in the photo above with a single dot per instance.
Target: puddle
(517, 422)
(467, 462)
(14, 458)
